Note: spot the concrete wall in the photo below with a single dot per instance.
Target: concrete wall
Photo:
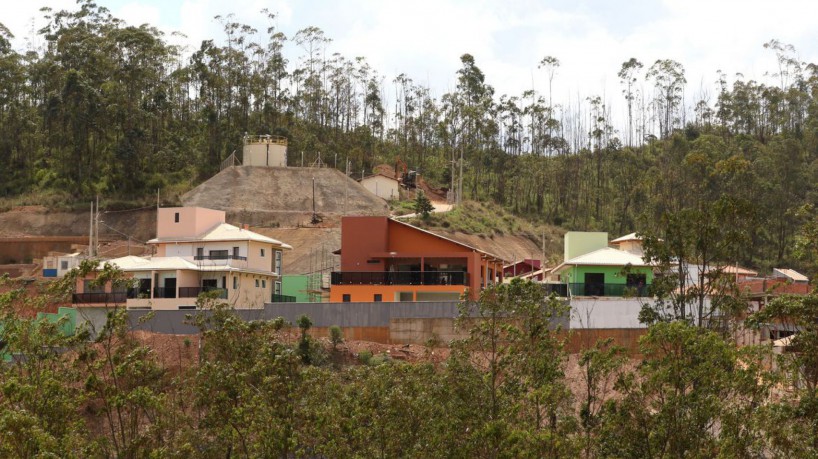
(581, 242)
(605, 312)
(264, 154)
(193, 221)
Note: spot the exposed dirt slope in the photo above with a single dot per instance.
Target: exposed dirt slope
(282, 196)
(39, 221)
(312, 247)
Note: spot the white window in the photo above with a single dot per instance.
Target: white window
(278, 262)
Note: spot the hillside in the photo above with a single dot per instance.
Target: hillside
(283, 196)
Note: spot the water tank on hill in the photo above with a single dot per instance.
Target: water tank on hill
(264, 150)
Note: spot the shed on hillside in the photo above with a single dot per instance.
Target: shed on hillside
(382, 186)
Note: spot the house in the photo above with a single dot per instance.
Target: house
(58, 265)
(592, 268)
(523, 267)
(383, 186)
(383, 259)
(195, 251)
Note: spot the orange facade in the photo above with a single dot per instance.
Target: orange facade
(387, 260)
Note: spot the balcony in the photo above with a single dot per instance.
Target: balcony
(164, 292)
(612, 290)
(218, 257)
(400, 278)
(104, 298)
(193, 292)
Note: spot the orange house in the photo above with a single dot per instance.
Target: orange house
(386, 260)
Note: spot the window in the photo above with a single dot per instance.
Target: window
(264, 283)
(262, 253)
(235, 252)
(256, 283)
(187, 307)
(235, 282)
(63, 265)
(200, 252)
(278, 262)
(176, 217)
(278, 288)
(346, 298)
(378, 297)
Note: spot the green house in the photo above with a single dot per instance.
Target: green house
(68, 327)
(593, 268)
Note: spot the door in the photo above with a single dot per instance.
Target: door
(170, 287)
(594, 284)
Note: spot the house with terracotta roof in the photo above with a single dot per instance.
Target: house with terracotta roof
(195, 252)
(383, 259)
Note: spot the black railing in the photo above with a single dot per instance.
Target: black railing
(101, 298)
(560, 290)
(163, 292)
(193, 292)
(219, 257)
(623, 290)
(400, 278)
(282, 299)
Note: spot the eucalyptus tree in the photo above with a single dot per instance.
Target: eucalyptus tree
(628, 76)
(668, 77)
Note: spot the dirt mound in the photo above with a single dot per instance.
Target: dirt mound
(270, 196)
(508, 247)
(312, 247)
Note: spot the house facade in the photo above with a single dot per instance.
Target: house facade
(195, 252)
(386, 260)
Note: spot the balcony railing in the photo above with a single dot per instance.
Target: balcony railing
(218, 257)
(193, 292)
(163, 292)
(400, 278)
(104, 298)
(616, 290)
(282, 299)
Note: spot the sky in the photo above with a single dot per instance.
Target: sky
(425, 38)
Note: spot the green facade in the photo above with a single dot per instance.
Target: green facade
(298, 286)
(613, 274)
(68, 327)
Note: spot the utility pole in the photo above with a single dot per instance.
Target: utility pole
(96, 229)
(460, 187)
(302, 158)
(91, 231)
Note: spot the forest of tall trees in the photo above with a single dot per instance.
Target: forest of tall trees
(103, 107)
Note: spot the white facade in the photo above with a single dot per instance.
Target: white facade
(382, 186)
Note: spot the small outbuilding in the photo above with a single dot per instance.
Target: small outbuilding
(382, 186)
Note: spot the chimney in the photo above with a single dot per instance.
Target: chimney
(245, 226)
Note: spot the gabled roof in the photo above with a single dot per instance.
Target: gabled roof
(606, 256)
(487, 254)
(626, 238)
(225, 232)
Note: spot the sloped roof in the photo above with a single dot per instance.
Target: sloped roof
(606, 256)
(792, 274)
(733, 269)
(226, 232)
(134, 263)
(487, 254)
(626, 238)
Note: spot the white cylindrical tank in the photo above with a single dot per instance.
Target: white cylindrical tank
(265, 150)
